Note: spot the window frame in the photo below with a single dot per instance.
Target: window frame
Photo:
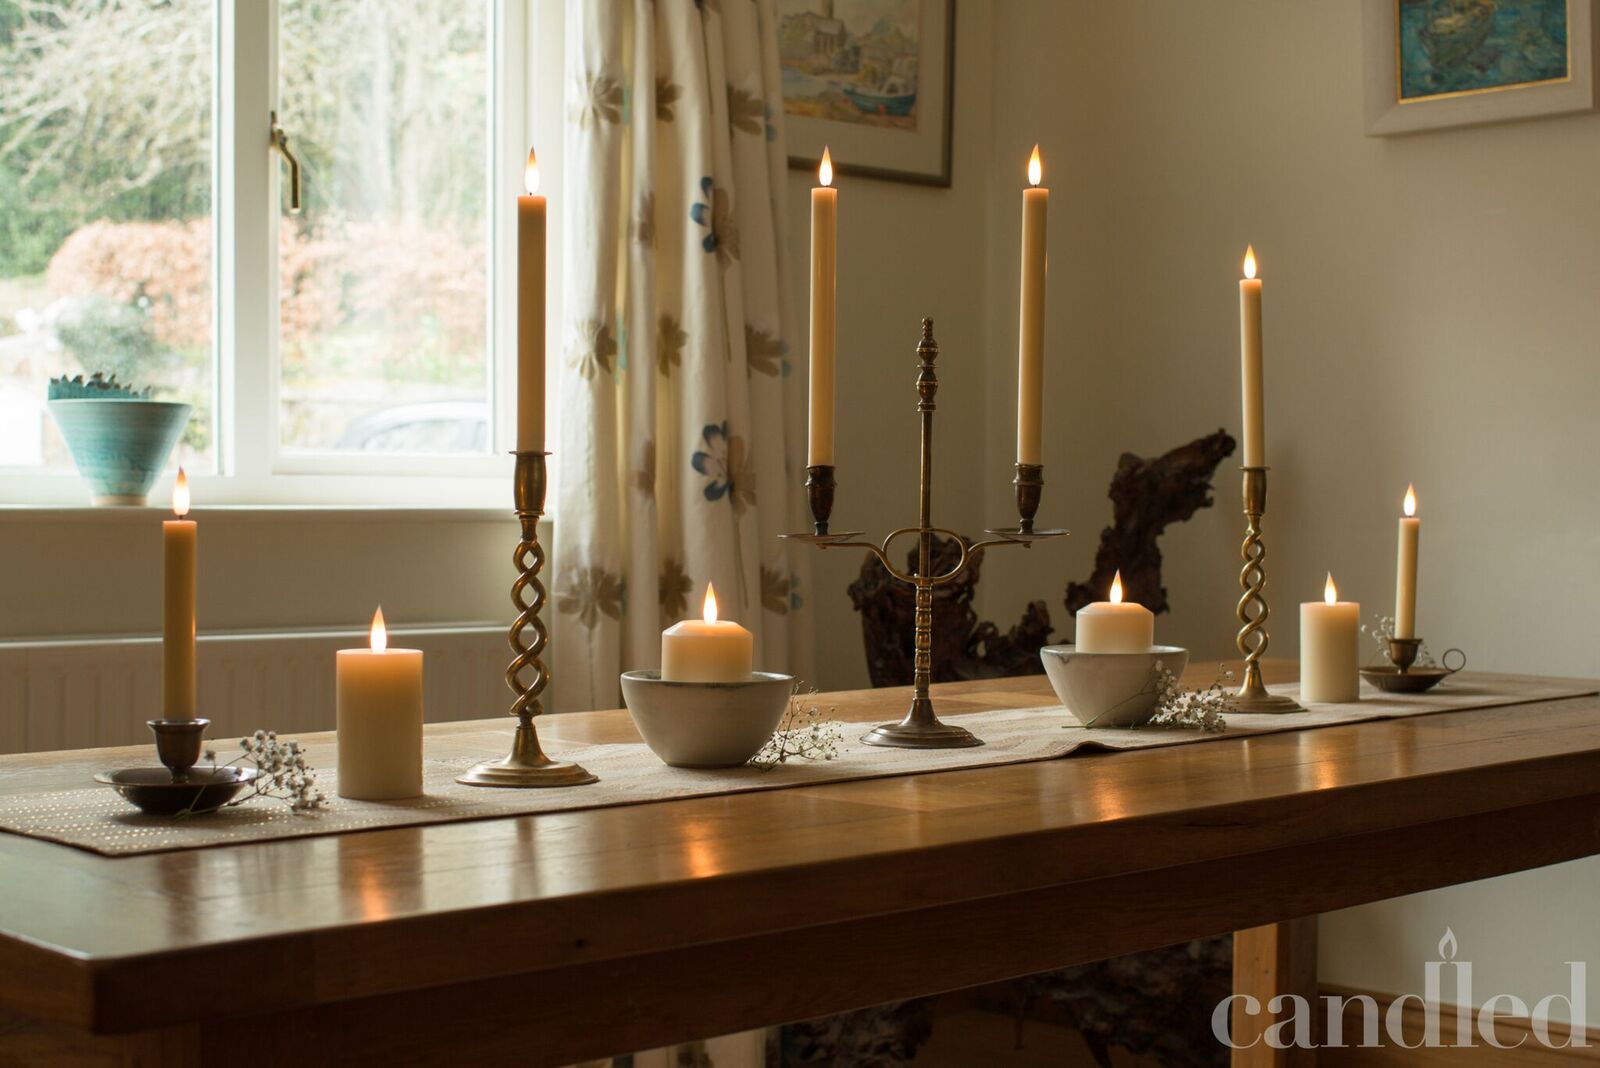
(252, 467)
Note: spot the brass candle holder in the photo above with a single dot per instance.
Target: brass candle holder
(921, 727)
(1253, 612)
(527, 765)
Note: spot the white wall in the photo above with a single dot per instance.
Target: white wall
(1432, 314)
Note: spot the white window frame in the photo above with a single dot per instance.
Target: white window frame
(252, 467)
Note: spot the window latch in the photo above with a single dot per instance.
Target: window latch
(280, 141)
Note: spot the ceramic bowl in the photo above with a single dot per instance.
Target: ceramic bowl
(1109, 689)
(706, 724)
(120, 446)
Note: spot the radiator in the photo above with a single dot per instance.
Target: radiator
(84, 693)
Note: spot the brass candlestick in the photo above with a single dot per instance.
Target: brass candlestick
(921, 727)
(1252, 695)
(527, 765)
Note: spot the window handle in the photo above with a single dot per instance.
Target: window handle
(280, 141)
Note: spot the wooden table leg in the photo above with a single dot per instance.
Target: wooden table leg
(1280, 958)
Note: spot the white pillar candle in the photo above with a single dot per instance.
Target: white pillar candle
(181, 554)
(1329, 648)
(1114, 627)
(824, 255)
(530, 313)
(379, 719)
(1255, 435)
(707, 649)
(1405, 572)
(1030, 328)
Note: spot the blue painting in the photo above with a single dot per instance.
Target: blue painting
(1466, 46)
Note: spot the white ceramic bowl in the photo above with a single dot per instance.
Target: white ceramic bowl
(1109, 689)
(706, 724)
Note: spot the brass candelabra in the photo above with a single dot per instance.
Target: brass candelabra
(1253, 611)
(921, 727)
(527, 764)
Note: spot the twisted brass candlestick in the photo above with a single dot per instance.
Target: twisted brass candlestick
(527, 765)
(1252, 695)
(921, 727)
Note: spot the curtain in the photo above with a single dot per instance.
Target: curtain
(680, 435)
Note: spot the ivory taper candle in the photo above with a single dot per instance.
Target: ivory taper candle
(707, 649)
(1405, 572)
(379, 719)
(824, 272)
(180, 552)
(1030, 319)
(1255, 439)
(530, 312)
(1330, 648)
(1114, 627)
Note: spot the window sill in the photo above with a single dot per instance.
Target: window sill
(254, 513)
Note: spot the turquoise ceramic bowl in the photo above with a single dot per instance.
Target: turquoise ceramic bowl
(120, 446)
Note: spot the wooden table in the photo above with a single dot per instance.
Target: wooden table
(548, 939)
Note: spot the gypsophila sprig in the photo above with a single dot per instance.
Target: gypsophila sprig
(1381, 630)
(281, 772)
(1178, 706)
(805, 733)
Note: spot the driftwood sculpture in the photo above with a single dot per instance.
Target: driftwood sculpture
(963, 648)
(1146, 496)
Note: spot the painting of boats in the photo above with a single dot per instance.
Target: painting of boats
(853, 61)
(1449, 47)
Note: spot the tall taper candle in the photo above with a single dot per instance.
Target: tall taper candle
(1255, 440)
(180, 551)
(530, 312)
(1405, 572)
(824, 254)
(1030, 320)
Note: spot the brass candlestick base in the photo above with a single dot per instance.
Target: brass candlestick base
(527, 765)
(921, 728)
(1253, 611)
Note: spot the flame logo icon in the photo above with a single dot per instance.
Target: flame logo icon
(1447, 945)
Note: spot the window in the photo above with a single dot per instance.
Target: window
(341, 353)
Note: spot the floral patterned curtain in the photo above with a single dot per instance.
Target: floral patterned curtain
(680, 430)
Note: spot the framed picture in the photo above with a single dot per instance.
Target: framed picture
(871, 80)
(1436, 63)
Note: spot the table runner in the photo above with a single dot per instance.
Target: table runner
(96, 819)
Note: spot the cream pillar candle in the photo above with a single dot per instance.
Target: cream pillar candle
(1330, 648)
(707, 649)
(530, 313)
(181, 554)
(1255, 441)
(1405, 572)
(824, 271)
(1114, 627)
(1030, 326)
(379, 719)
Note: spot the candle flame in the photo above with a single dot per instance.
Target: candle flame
(530, 173)
(1330, 592)
(180, 495)
(1249, 261)
(1411, 500)
(825, 168)
(1035, 168)
(1116, 588)
(709, 612)
(378, 638)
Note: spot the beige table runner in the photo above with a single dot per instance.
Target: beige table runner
(95, 818)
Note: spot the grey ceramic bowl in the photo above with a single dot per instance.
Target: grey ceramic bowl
(706, 724)
(1109, 689)
(120, 446)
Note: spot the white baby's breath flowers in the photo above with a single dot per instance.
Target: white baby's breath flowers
(281, 772)
(803, 734)
(1177, 706)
